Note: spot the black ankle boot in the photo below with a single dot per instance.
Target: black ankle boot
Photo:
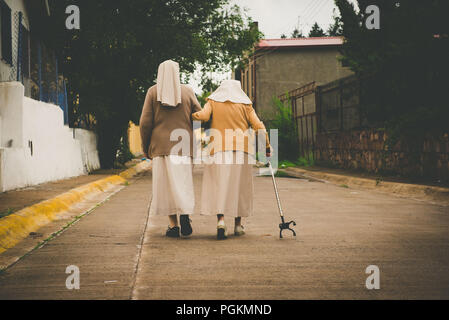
(172, 232)
(186, 227)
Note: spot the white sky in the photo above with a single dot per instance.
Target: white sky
(276, 17)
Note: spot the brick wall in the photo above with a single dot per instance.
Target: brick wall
(366, 150)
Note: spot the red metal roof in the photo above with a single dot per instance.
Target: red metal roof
(300, 42)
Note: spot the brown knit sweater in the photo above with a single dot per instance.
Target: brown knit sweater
(238, 118)
(157, 122)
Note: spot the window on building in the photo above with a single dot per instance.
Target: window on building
(34, 70)
(25, 52)
(5, 32)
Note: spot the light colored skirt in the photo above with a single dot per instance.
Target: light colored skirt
(172, 186)
(228, 188)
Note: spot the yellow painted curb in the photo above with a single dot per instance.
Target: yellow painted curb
(141, 166)
(17, 226)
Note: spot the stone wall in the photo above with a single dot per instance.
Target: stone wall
(367, 150)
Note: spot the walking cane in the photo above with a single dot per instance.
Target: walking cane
(283, 225)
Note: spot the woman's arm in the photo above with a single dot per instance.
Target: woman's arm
(196, 107)
(256, 124)
(204, 114)
(146, 123)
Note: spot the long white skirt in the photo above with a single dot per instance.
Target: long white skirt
(228, 188)
(172, 186)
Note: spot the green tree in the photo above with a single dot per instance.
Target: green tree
(112, 60)
(287, 133)
(335, 29)
(316, 31)
(403, 65)
(297, 33)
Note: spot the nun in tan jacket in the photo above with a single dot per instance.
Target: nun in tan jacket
(168, 107)
(228, 181)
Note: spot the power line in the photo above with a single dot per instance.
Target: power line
(311, 8)
(310, 18)
(289, 23)
(311, 15)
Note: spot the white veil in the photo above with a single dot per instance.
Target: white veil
(168, 83)
(230, 90)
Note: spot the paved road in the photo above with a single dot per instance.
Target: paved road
(340, 232)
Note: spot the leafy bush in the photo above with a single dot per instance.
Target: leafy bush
(286, 164)
(123, 153)
(306, 161)
(288, 148)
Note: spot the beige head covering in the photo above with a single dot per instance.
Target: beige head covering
(168, 83)
(230, 90)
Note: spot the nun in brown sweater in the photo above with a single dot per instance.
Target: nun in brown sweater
(227, 179)
(168, 109)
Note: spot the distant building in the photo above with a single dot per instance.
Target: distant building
(281, 65)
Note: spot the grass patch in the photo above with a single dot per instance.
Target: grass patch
(378, 181)
(306, 161)
(281, 174)
(344, 186)
(300, 162)
(6, 212)
(286, 164)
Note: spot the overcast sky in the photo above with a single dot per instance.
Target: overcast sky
(276, 17)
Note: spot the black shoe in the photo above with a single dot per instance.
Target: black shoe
(186, 227)
(222, 233)
(172, 232)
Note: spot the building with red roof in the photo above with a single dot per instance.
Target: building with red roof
(281, 65)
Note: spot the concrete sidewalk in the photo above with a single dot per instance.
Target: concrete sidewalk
(340, 232)
(105, 245)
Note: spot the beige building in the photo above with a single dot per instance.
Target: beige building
(281, 65)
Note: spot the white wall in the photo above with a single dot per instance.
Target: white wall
(89, 152)
(48, 150)
(11, 96)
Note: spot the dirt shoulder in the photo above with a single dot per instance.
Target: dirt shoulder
(424, 190)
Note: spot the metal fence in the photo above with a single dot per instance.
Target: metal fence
(338, 105)
(35, 66)
(332, 107)
(304, 115)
